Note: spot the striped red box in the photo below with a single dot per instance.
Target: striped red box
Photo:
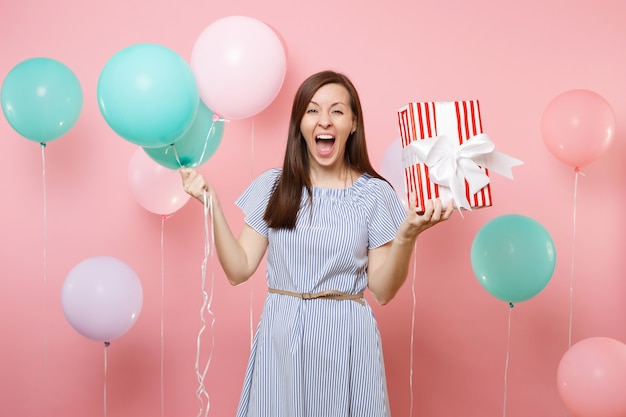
(459, 120)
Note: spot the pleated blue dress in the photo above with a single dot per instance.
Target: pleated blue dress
(319, 357)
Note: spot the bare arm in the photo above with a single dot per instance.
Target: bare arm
(389, 263)
(239, 257)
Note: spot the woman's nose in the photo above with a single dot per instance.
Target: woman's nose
(324, 120)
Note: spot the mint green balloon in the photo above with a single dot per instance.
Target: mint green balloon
(41, 99)
(195, 146)
(513, 257)
(148, 95)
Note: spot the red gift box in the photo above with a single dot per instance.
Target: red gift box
(439, 158)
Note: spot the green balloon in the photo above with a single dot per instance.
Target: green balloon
(195, 146)
(513, 257)
(148, 95)
(41, 99)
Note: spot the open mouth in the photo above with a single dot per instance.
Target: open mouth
(325, 144)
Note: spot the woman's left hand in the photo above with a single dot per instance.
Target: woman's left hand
(415, 223)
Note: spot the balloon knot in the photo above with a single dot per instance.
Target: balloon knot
(107, 344)
(43, 144)
(511, 305)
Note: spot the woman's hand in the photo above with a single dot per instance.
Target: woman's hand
(195, 185)
(415, 223)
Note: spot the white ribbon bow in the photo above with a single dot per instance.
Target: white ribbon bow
(451, 164)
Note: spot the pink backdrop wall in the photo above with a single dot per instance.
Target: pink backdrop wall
(512, 56)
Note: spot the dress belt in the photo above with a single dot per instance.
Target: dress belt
(332, 294)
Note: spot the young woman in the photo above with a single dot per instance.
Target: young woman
(331, 227)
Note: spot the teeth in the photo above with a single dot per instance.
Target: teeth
(325, 137)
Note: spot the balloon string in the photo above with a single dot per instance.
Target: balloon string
(180, 165)
(251, 315)
(215, 119)
(577, 174)
(201, 392)
(106, 345)
(163, 218)
(45, 261)
(206, 139)
(571, 282)
(412, 330)
(506, 362)
(252, 147)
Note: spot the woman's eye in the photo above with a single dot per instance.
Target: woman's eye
(337, 112)
(311, 111)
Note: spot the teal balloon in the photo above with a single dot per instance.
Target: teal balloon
(41, 99)
(148, 95)
(195, 146)
(513, 257)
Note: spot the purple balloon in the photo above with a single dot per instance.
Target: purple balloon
(102, 298)
(392, 170)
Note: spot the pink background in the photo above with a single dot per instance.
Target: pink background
(512, 56)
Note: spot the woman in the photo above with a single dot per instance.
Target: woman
(331, 226)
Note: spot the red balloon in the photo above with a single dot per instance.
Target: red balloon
(591, 378)
(578, 126)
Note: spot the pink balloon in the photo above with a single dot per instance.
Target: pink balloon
(156, 188)
(102, 298)
(391, 169)
(240, 65)
(578, 126)
(591, 378)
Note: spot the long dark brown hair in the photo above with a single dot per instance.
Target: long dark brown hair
(284, 203)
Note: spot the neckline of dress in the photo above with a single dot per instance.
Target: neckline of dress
(339, 192)
(342, 188)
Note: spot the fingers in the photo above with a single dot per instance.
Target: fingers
(434, 211)
(193, 183)
(184, 174)
(413, 204)
(449, 210)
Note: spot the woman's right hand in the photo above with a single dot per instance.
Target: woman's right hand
(194, 183)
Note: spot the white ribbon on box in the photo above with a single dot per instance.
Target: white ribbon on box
(452, 164)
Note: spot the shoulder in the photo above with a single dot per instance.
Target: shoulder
(375, 185)
(267, 179)
(270, 175)
(260, 189)
(376, 192)
(383, 209)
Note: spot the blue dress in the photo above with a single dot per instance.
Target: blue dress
(320, 357)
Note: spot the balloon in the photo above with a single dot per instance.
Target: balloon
(101, 298)
(240, 65)
(156, 188)
(591, 378)
(513, 257)
(148, 95)
(578, 126)
(41, 99)
(196, 146)
(392, 170)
